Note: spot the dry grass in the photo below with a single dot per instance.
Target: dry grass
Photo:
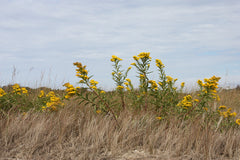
(77, 133)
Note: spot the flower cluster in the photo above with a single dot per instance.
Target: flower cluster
(169, 79)
(210, 86)
(226, 112)
(144, 55)
(159, 63)
(2, 92)
(70, 90)
(119, 87)
(81, 72)
(186, 103)
(93, 84)
(18, 90)
(182, 84)
(115, 58)
(52, 103)
(128, 84)
(42, 94)
(154, 85)
(238, 121)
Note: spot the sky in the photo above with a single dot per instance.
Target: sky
(195, 39)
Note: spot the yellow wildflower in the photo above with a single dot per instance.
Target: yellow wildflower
(186, 103)
(24, 91)
(2, 92)
(200, 82)
(41, 94)
(159, 118)
(93, 82)
(135, 58)
(102, 92)
(238, 121)
(169, 79)
(93, 87)
(159, 63)
(222, 107)
(134, 64)
(16, 89)
(128, 80)
(196, 100)
(142, 76)
(98, 111)
(144, 55)
(233, 114)
(120, 87)
(182, 84)
(115, 58)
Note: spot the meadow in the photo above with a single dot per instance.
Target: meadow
(156, 120)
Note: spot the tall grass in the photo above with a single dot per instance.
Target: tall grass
(77, 133)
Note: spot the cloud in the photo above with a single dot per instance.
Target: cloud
(188, 35)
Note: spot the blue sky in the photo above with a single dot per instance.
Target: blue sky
(194, 39)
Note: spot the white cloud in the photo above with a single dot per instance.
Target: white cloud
(194, 35)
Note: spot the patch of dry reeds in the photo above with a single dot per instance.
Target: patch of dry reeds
(76, 133)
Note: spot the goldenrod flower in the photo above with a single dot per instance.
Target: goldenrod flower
(16, 89)
(182, 84)
(2, 92)
(98, 111)
(169, 79)
(24, 91)
(142, 76)
(222, 107)
(158, 118)
(200, 83)
(154, 85)
(53, 102)
(120, 87)
(115, 58)
(159, 63)
(134, 64)
(102, 92)
(43, 108)
(135, 58)
(238, 121)
(186, 103)
(196, 100)
(93, 87)
(127, 79)
(93, 82)
(233, 114)
(144, 55)
(41, 94)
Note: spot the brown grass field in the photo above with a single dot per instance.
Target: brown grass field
(75, 132)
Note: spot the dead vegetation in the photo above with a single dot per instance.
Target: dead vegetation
(75, 132)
